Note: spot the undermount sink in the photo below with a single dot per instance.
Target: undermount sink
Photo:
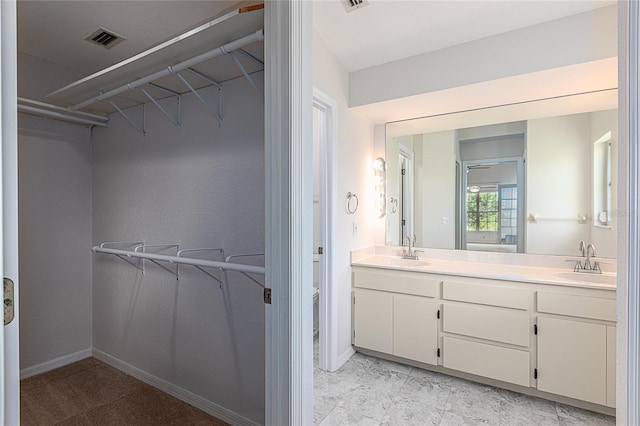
(586, 277)
(394, 261)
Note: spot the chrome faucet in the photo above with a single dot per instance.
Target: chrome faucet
(410, 254)
(588, 251)
(407, 254)
(591, 252)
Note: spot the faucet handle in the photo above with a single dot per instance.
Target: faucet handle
(415, 253)
(578, 266)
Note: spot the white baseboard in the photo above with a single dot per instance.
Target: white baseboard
(54, 363)
(190, 398)
(344, 357)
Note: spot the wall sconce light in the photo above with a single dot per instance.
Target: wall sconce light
(380, 187)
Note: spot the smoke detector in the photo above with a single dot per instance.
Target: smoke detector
(351, 5)
(105, 38)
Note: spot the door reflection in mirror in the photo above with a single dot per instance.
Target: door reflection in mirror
(492, 210)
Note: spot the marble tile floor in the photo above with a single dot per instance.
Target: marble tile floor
(369, 391)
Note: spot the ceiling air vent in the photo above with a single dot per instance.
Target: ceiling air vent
(105, 38)
(351, 5)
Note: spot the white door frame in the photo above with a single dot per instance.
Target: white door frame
(327, 124)
(9, 350)
(406, 193)
(630, 249)
(288, 212)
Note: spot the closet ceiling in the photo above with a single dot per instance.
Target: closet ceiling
(56, 30)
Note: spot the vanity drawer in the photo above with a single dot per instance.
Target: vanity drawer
(494, 362)
(417, 284)
(497, 324)
(577, 306)
(477, 292)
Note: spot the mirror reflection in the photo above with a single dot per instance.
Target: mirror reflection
(533, 178)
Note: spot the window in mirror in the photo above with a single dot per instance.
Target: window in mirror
(482, 209)
(509, 214)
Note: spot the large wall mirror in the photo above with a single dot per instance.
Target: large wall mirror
(534, 177)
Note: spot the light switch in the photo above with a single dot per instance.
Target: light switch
(355, 227)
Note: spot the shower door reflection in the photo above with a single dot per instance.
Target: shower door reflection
(493, 209)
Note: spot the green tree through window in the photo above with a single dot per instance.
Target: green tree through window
(482, 211)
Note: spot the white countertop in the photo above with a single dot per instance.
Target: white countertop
(553, 275)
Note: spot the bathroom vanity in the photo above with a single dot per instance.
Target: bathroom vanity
(540, 330)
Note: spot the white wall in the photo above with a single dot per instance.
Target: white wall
(37, 77)
(572, 40)
(202, 186)
(54, 238)
(54, 178)
(438, 182)
(353, 154)
(558, 183)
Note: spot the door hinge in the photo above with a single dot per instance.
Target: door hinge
(535, 373)
(438, 314)
(8, 301)
(320, 250)
(535, 329)
(267, 296)
(404, 222)
(438, 353)
(404, 172)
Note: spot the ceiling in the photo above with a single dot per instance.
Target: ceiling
(380, 32)
(56, 30)
(158, 34)
(386, 31)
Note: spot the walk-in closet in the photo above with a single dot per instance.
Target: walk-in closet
(142, 195)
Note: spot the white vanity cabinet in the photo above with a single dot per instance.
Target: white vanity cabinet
(544, 339)
(396, 313)
(373, 320)
(576, 346)
(487, 329)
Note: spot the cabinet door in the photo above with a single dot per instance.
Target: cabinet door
(415, 328)
(572, 359)
(373, 323)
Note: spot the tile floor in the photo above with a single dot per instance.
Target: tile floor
(370, 391)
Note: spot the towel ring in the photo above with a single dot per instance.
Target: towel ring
(351, 208)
